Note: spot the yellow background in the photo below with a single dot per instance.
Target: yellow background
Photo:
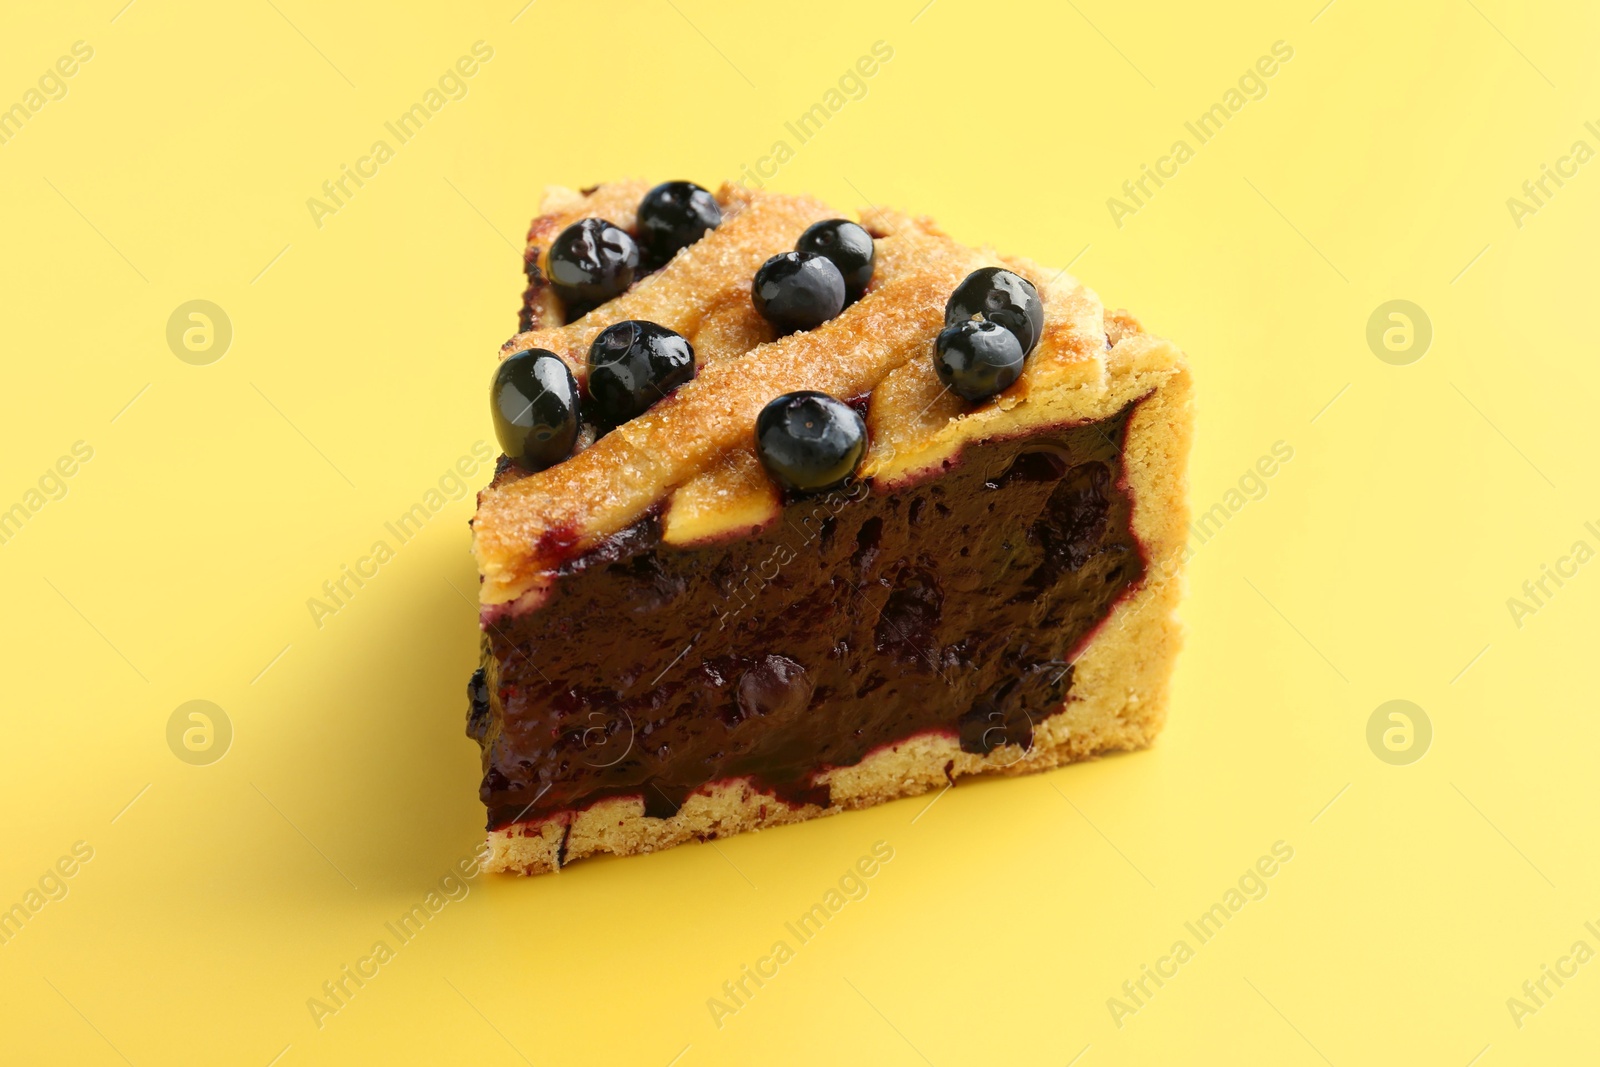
(1377, 566)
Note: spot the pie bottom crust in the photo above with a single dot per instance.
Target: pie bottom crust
(1118, 698)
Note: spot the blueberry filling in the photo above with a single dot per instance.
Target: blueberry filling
(861, 618)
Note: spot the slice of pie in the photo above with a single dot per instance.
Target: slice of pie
(685, 638)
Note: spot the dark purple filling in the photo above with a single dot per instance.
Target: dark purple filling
(862, 618)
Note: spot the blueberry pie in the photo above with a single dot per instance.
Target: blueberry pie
(800, 513)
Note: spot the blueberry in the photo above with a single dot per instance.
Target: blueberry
(592, 261)
(999, 296)
(534, 401)
(675, 215)
(977, 359)
(809, 441)
(632, 365)
(850, 248)
(798, 290)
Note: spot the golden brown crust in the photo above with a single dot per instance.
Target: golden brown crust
(708, 280)
(525, 527)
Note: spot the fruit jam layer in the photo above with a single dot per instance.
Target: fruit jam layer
(860, 619)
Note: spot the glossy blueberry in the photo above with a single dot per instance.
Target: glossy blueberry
(850, 248)
(798, 291)
(1000, 296)
(534, 401)
(592, 261)
(632, 365)
(977, 359)
(809, 441)
(675, 215)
